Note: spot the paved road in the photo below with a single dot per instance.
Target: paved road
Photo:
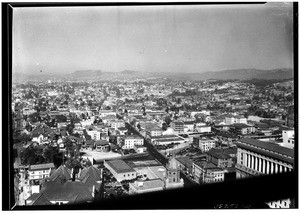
(152, 151)
(160, 157)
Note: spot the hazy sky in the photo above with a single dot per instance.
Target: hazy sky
(153, 38)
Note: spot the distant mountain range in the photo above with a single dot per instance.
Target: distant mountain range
(126, 75)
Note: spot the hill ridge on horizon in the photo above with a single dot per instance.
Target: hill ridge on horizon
(241, 74)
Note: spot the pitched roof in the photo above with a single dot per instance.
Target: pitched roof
(33, 197)
(68, 191)
(91, 182)
(91, 171)
(59, 172)
(41, 200)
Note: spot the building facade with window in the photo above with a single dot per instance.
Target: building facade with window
(120, 170)
(40, 171)
(288, 138)
(206, 172)
(205, 144)
(131, 141)
(256, 157)
(178, 126)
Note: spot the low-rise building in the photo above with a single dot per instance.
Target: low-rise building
(242, 129)
(102, 146)
(288, 138)
(123, 130)
(206, 172)
(204, 143)
(220, 158)
(178, 126)
(153, 131)
(140, 148)
(120, 170)
(40, 171)
(231, 119)
(131, 141)
(139, 187)
(93, 132)
(166, 139)
(203, 129)
(115, 124)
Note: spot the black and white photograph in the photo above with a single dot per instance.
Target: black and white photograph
(147, 106)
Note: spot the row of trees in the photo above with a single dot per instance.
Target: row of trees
(51, 154)
(39, 154)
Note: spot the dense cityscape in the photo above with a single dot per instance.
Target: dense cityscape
(81, 142)
(150, 106)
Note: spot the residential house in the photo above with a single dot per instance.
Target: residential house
(40, 171)
(123, 130)
(140, 148)
(102, 146)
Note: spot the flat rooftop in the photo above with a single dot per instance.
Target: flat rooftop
(119, 166)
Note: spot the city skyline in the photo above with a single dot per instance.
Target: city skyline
(187, 39)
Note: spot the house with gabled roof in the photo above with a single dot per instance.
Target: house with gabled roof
(91, 176)
(61, 171)
(59, 193)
